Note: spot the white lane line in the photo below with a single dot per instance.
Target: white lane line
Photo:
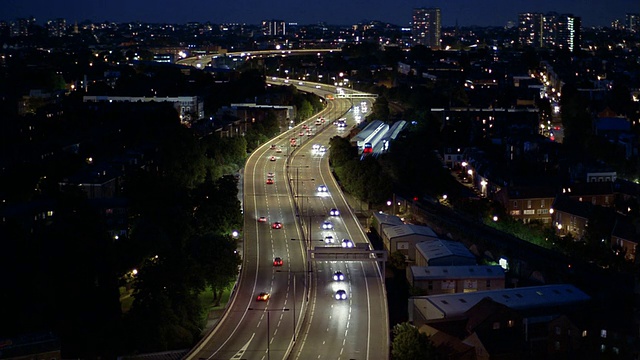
(242, 350)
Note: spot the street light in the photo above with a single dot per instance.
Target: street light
(268, 311)
(294, 295)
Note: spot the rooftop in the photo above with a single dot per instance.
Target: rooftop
(408, 230)
(525, 298)
(457, 272)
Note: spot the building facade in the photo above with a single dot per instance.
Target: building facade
(530, 29)
(57, 27)
(434, 280)
(189, 108)
(426, 27)
(274, 28)
(551, 30)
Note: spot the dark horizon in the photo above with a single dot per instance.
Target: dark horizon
(462, 13)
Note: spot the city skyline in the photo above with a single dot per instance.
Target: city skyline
(463, 12)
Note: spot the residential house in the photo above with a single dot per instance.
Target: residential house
(97, 180)
(624, 237)
(571, 216)
(597, 193)
(527, 204)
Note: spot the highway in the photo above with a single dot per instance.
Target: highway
(355, 328)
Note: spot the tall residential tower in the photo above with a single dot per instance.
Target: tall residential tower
(551, 30)
(426, 27)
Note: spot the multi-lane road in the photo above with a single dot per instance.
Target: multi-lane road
(302, 319)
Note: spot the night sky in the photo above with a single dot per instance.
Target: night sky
(465, 12)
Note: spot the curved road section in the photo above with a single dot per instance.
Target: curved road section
(285, 306)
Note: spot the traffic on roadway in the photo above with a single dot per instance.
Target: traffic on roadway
(284, 304)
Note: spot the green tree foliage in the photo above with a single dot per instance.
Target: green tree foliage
(217, 208)
(226, 154)
(397, 260)
(262, 130)
(165, 314)
(367, 178)
(341, 151)
(380, 109)
(410, 344)
(217, 260)
(183, 159)
(305, 111)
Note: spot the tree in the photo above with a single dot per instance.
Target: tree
(409, 344)
(397, 260)
(305, 111)
(218, 261)
(380, 109)
(183, 158)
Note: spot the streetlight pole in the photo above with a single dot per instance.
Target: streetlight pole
(268, 311)
(294, 307)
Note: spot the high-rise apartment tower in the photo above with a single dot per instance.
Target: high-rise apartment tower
(426, 27)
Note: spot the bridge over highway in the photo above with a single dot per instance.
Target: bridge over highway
(203, 60)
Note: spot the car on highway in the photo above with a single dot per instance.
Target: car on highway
(277, 225)
(270, 174)
(262, 219)
(301, 133)
(341, 295)
(338, 276)
(273, 158)
(318, 86)
(278, 261)
(327, 225)
(269, 181)
(279, 150)
(329, 239)
(347, 243)
(323, 188)
(273, 146)
(263, 296)
(322, 149)
(315, 147)
(318, 122)
(334, 212)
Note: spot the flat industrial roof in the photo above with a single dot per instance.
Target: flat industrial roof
(457, 272)
(408, 229)
(439, 248)
(383, 218)
(523, 298)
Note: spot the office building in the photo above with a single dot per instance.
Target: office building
(426, 27)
